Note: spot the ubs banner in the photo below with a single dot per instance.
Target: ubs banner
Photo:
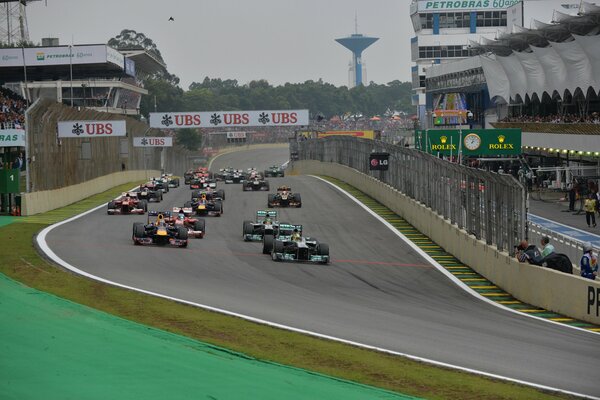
(471, 142)
(79, 129)
(215, 119)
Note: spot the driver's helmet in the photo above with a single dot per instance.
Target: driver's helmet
(296, 235)
(181, 214)
(267, 221)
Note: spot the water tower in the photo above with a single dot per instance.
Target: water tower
(357, 43)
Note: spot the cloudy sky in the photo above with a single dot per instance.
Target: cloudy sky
(278, 40)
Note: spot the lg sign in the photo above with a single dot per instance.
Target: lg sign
(379, 161)
(78, 129)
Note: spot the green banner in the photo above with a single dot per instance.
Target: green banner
(9, 181)
(470, 142)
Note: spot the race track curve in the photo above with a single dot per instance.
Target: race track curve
(377, 291)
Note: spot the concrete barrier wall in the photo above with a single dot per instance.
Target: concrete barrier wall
(46, 200)
(569, 295)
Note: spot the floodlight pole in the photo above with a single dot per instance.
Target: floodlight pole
(71, 70)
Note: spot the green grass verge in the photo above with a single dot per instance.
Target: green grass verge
(20, 261)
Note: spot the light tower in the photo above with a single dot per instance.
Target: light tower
(13, 21)
(356, 43)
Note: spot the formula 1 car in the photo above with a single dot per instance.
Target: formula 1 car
(206, 204)
(265, 224)
(284, 198)
(181, 216)
(202, 183)
(209, 193)
(233, 176)
(274, 171)
(172, 181)
(159, 184)
(188, 176)
(300, 249)
(283, 231)
(127, 203)
(149, 191)
(255, 181)
(159, 233)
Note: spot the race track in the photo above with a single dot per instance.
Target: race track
(377, 291)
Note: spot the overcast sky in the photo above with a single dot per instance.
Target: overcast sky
(277, 40)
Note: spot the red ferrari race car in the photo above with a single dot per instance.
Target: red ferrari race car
(182, 216)
(127, 203)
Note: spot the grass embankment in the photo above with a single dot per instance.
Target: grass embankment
(20, 261)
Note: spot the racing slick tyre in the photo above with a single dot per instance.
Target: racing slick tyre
(245, 188)
(159, 197)
(277, 248)
(138, 231)
(182, 233)
(218, 208)
(221, 193)
(282, 174)
(247, 228)
(177, 182)
(266, 186)
(111, 206)
(200, 225)
(144, 205)
(298, 199)
(268, 244)
(187, 204)
(323, 249)
(270, 200)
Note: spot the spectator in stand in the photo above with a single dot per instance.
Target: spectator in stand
(547, 248)
(588, 262)
(528, 253)
(590, 209)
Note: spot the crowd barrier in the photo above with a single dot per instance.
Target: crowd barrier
(569, 295)
(46, 200)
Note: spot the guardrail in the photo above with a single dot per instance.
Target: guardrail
(490, 206)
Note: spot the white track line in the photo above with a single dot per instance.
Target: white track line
(443, 270)
(43, 245)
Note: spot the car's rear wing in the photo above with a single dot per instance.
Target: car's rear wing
(261, 214)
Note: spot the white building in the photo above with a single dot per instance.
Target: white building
(444, 31)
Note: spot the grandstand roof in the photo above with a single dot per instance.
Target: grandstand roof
(586, 23)
(145, 62)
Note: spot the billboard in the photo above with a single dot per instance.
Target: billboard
(61, 55)
(152, 141)
(215, 119)
(91, 129)
(360, 134)
(470, 142)
(12, 138)
(465, 5)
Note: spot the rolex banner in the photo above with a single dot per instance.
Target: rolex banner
(152, 141)
(89, 129)
(215, 119)
(470, 142)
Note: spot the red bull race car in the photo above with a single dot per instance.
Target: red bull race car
(182, 216)
(159, 233)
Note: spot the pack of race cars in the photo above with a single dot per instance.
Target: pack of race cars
(283, 241)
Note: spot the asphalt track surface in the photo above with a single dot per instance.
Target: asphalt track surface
(377, 291)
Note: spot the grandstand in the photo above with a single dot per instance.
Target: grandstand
(92, 76)
(544, 80)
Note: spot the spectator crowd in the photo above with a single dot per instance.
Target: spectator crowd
(12, 110)
(593, 118)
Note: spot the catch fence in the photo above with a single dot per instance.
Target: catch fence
(490, 206)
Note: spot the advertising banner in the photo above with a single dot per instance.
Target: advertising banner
(12, 138)
(236, 135)
(152, 141)
(470, 142)
(129, 67)
(89, 129)
(379, 161)
(360, 134)
(215, 119)
(465, 5)
(61, 55)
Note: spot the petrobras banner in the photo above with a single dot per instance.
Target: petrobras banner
(152, 141)
(215, 119)
(91, 129)
(61, 55)
(465, 5)
(12, 138)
